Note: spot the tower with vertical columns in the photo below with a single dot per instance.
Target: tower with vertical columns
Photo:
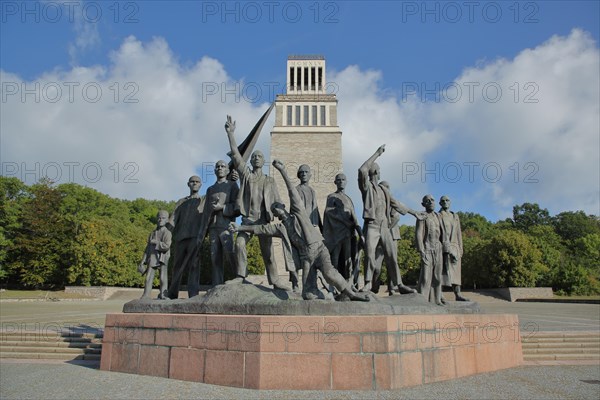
(306, 130)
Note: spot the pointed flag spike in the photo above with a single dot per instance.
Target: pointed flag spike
(247, 146)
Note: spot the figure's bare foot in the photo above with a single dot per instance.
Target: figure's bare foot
(460, 298)
(403, 289)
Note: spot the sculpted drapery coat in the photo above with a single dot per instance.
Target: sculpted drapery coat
(453, 248)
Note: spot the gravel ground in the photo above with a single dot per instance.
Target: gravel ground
(64, 381)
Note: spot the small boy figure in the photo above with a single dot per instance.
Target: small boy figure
(157, 256)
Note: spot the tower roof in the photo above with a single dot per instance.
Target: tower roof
(306, 57)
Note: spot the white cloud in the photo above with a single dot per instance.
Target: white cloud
(151, 113)
(533, 118)
(86, 34)
(176, 126)
(369, 118)
(550, 127)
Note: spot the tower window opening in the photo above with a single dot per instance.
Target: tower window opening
(320, 80)
(305, 78)
(292, 78)
(305, 115)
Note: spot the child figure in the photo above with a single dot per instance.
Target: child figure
(157, 256)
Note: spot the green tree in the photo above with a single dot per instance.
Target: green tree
(473, 268)
(574, 225)
(473, 224)
(143, 212)
(256, 265)
(574, 279)
(588, 248)
(512, 260)
(409, 259)
(12, 194)
(586, 255)
(42, 242)
(107, 252)
(530, 214)
(553, 252)
(110, 235)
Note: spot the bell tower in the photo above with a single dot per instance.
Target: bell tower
(306, 129)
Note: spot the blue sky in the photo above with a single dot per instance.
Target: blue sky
(397, 69)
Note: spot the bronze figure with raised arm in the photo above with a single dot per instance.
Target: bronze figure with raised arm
(256, 195)
(378, 204)
(302, 242)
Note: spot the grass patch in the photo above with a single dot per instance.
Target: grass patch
(39, 295)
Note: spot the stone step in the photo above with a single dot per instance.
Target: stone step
(49, 350)
(561, 351)
(556, 346)
(80, 345)
(561, 339)
(51, 345)
(50, 356)
(562, 335)
(590, 339)
(49, 337)
(563, 345)
(558, 357)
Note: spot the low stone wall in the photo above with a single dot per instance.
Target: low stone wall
(516, 293)
(374, 352)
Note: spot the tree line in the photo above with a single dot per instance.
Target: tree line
(52, 236)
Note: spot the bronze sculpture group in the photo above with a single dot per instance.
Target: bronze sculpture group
(327, 248)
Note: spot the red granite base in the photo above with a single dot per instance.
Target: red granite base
(311, 352)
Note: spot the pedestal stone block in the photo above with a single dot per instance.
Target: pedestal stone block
(363, 352)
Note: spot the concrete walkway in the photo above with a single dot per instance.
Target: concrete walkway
(63, 381)
(25, 379)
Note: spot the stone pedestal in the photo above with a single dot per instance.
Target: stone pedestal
(363, 352)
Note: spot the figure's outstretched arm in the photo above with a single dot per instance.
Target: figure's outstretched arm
(235, 155)
(363, 171)
(404, 209)
(261, 230)
(295, 199)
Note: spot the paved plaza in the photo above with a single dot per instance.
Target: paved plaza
(26, 379)
(532, 316)
(62, 381)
